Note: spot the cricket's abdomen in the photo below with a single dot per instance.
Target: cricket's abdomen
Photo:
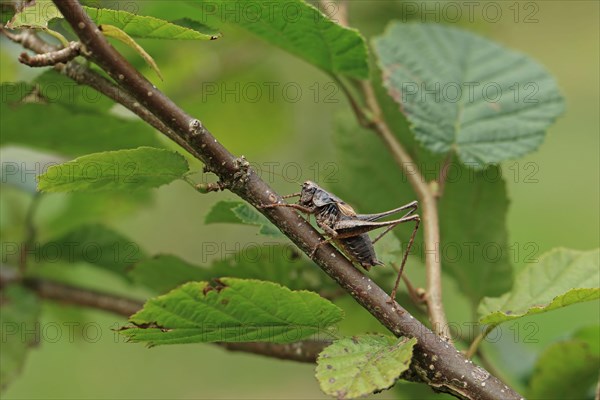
(360, 250)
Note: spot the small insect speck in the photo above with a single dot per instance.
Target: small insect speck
(149, 94)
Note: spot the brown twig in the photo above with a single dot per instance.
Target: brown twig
(52, 58)
(474, 346)
(302, 351)
(435, 361)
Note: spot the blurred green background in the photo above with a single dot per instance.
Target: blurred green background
(558, 208)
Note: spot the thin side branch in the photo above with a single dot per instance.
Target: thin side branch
(435, 361)
(52, 58)
(302, 351)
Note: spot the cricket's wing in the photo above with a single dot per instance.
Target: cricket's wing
(351, 227)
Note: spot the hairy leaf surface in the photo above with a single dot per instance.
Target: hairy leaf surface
(464, 92)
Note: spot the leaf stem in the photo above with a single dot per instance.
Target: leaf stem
(443, 175)
(477, 341)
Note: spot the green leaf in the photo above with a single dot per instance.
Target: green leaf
(165, 272)
(146, 27)
(36, 15)
(141, 168)
(20, 330)
(93, 244)
(237, 212)
(198, 27)
(562, 277)
(465, 93)
(474, 246)
(299, 28)
(40, 12)
(234, 310)
(56, 114)
(565, 370)
(361, 365)
(123, 37)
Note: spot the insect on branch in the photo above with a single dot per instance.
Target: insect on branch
(347, 229)
(453, 373)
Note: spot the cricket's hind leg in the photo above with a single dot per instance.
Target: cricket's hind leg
(417, 220)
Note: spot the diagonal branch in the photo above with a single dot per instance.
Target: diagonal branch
(435, 361)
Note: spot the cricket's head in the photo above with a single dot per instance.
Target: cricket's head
(307, 194)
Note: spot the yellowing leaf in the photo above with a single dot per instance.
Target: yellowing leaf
(360, 365)
(114, 32)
